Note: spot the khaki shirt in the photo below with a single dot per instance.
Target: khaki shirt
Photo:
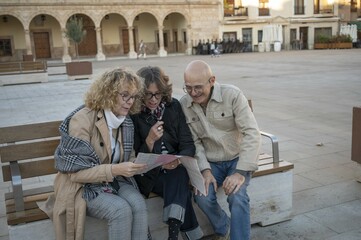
(227, 130)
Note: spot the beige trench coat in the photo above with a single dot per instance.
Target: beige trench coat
(66, 207)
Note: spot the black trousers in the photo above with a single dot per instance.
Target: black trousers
(173, 186)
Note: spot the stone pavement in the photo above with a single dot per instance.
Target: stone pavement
(305, 98)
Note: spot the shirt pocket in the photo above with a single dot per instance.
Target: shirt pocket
(223, 120)
(195, 124)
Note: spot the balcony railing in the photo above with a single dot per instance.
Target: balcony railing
(236, 11)
(299, 10)
(241, 11)
(263, 11)
(327, 9)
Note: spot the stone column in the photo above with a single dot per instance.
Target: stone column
(287, 40)
(311, 37)
(66, 56)
(132, 54)
(161, 52)
(100, 55)
(189, 41)
(28, 42)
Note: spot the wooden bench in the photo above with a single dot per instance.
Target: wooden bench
(23, 67)
(23, 72)
(26, 154)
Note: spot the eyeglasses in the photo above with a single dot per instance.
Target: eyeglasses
(197, 88)
(126, 96)
(149, 95)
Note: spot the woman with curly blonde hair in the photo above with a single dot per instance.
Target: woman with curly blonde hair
(95, 175)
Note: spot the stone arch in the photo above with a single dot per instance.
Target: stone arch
(154, 14)
(14, 15)
(185, 14)
(13, 39)
(115, 34)
(146, 25)
(45, 36)
(88, 47)
(176, 26)
(122, 14)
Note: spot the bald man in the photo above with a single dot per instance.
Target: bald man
(227, 142)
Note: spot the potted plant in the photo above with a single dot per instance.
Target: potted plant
(322, 42)
(76, 34)
(341, 41)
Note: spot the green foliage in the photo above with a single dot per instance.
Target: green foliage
(75, 32)
(333, 39)
(322, 39)
(341, 38)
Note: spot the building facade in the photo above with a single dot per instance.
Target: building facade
(35, 28)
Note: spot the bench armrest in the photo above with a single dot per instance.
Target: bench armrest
(17, 186)
(274, 141)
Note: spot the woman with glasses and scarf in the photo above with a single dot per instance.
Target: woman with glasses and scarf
(161, 128)
(95, 174)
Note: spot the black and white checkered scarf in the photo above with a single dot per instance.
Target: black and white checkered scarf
(74, 154)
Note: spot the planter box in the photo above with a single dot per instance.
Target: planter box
(28, 58)
(322, 46)
(342, 45)
(79, 70)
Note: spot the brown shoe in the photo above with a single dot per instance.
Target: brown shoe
(225, 237)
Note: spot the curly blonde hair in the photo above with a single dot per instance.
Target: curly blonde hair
(103, 92)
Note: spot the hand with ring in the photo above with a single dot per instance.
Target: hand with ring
(155, 133)
(172, 165)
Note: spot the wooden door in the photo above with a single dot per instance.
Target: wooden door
(175, 39)
(41, 45)
(125, 39)
(304, 37)
(89, 45)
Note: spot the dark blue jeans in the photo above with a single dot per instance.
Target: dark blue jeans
(239, 207)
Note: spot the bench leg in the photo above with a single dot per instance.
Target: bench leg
(17, 186)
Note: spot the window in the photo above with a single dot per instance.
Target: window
(185, 37)
(234, 8)
(260, 35)
(322, 7)
(247, 39)
(5, 47)
(326, 31)
(263, 9)
(229, 36)
(353, 4)
(299, 7)
(165, 39)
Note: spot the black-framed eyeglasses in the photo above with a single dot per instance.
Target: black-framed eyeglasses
(149, 95)
(197, 88)
(126, 96)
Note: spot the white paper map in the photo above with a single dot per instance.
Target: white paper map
(154, 160)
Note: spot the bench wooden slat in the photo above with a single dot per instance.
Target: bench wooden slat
(273, 168)
(25, 151)
(30, 215)
(31, 169)
(29, 202)
(31, 192)
(29, 132)
(9, 67)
